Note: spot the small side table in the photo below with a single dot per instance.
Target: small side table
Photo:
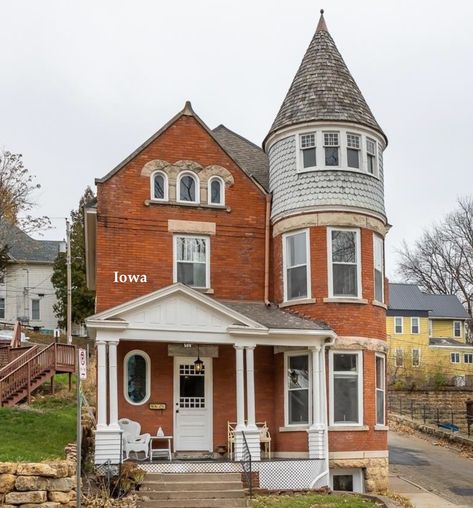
(160, 452)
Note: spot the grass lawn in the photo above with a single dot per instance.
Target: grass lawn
(38, 432)
(311, 501)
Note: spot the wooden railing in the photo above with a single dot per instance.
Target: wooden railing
(55, 357)
(17, 357)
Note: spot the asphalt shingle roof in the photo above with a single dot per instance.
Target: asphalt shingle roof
(250, 157)
(22, 247)
(324, 89)
(445, 306)
(274, 317)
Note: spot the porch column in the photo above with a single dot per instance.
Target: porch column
(113, 384)
(240, 404)
(316, 432)
(251, 433)
(101, 385)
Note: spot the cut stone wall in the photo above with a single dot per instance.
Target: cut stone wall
(441, 398)
(47, 484)
(375, 471)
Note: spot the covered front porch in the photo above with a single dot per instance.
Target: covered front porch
(210, 374)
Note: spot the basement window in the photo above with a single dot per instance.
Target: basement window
(346, 480)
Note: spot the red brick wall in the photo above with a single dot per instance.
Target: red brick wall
(134, 238)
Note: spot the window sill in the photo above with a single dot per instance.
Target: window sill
(302, 301)
(294, 428)
(348, 428)
(205, 291)
(358, 301)
(379, 304)
(337, 168)
(149, 202)
(381, 427)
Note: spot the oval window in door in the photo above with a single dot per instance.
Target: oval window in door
(137, 377)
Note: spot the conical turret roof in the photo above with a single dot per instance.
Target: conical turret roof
(323, 88)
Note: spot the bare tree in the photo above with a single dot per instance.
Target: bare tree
(441, 261)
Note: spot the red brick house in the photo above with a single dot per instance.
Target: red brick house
(267, 265)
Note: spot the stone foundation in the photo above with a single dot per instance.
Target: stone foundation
(47, 484)
(375, 471)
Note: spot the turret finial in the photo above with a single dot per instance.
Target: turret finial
(322, 25)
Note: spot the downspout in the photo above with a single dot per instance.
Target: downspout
(330, 341)
(266, 250)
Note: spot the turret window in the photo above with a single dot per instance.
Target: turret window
(331, 147)
(307, 142)
(353, 151)
(296, 265)
(371, 155)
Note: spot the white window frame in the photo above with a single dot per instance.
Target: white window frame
(415, 318)
(2, 307)
(288, 354)
(375, 155)
(166, 186)
(207, 257)
(359, 373)
(358, 149)
(455, 355)
(460, 329)
(470, 356)
(431, 328)
(399, 357)
(284, 262)
(299, 157)
(39, 309)
(358, 263)
(181, 175)
(378, 239)
(356, 473)
(222, 191)
(339, 147)
(383, 389)
(419, 353)
(147, 358)
(395, 326)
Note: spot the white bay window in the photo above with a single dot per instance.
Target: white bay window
(297, 389)
(192, 261)
(296, 265)
(344, 263)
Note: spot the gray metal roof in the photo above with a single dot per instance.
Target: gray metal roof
(449, 342)
(408, 297)
(446, 306)
(274, 317)
(324, 89)
(22, 247)
(250, 157)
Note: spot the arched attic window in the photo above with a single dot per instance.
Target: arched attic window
(216, 191)
(159, 186)
(188, 188)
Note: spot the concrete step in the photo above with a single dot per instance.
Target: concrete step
(192, 477)
(191, 486)
(191, 494)
(193, 503)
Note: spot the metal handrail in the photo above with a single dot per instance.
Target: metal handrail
(246, 465)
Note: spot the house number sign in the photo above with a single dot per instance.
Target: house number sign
(158, 405)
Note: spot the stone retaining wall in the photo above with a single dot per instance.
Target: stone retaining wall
(446, 399)
(46, 484)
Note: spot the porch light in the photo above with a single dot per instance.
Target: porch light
(198, 364)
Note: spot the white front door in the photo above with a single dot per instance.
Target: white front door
(192, 405)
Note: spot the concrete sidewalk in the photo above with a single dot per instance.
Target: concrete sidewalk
(418, 496)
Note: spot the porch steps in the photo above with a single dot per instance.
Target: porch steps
(192, 490)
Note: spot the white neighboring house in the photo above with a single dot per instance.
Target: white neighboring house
(26, 290)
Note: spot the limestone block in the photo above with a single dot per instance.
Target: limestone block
(34, 497)
(42, 505)
(26, 483)
(7, 482)
(8, 468)
(60, 497)
(62, 468)
(38, 469)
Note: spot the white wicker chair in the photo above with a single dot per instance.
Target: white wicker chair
(133, 441)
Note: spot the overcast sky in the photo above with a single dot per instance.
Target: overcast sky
(85, 83)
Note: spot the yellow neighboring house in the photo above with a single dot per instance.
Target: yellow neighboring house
(427, 338)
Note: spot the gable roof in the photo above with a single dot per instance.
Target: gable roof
(323, 89)
(186, 111)
(250, 157)
(21, 247)
(408, 297)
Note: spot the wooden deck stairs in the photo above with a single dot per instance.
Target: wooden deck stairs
(32, 366)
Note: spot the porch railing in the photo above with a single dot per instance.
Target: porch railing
(246, 465)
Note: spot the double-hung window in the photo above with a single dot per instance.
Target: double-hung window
(332, 148)
(344, 263)
(457, 329)
(353, 151)
(380, 389)
(398, 321)
(416, 357)
(455, 357)
(192, 260)
(2, 308)
(35, 314)
(297, 389)
(307, 143)
(296, 257)
(415, 326)
(431, 328)
(468, 358)
(399, 357)
(378, 268)
(346, 388)
(371, 155)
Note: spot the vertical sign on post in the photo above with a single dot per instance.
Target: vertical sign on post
(81, 375)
